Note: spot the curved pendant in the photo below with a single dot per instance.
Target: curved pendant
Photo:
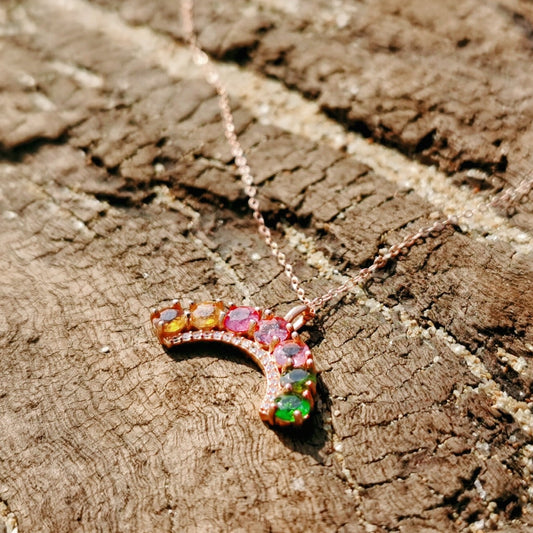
(271, 342)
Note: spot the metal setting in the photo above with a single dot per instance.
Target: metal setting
(269, 341)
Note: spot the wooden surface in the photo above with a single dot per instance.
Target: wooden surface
(118, 193)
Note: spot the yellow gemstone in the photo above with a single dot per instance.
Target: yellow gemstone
(176, 325)
(169, 321)
(206, 315)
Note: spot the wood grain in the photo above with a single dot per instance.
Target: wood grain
(118, 193)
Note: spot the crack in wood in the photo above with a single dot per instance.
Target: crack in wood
(8, 518)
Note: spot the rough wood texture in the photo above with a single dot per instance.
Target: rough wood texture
(118, 192)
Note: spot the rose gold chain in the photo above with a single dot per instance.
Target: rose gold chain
(506, 198)
(212, 77)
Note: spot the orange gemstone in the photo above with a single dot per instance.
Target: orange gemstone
(169, 321)
(206, 315)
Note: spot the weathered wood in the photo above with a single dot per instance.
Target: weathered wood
(118, 192)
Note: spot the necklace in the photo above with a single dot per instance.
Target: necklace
(271, 341)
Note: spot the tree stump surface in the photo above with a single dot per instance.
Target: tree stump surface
(361, 120)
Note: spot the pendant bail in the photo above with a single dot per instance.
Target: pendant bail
(299, 315)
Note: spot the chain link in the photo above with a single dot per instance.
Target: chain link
(505, 199)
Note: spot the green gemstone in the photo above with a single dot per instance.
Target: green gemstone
(289, 403)
(297, 378)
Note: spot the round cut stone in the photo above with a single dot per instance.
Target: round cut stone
(291, 353)
(239, 319)
(297, 379)
(269, 329)
(169, 321)
(288, 403)
(206, 315)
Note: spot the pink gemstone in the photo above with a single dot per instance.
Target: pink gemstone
(268, 329)
(291, 353)
(238, 319)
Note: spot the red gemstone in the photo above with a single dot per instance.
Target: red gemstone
(292, 353)
(267, 330)
(239, 319)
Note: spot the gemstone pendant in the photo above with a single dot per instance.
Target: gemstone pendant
(271, 342)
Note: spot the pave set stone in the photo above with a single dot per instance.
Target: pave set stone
(269, 340)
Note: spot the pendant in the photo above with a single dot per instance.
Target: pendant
(270, 341)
